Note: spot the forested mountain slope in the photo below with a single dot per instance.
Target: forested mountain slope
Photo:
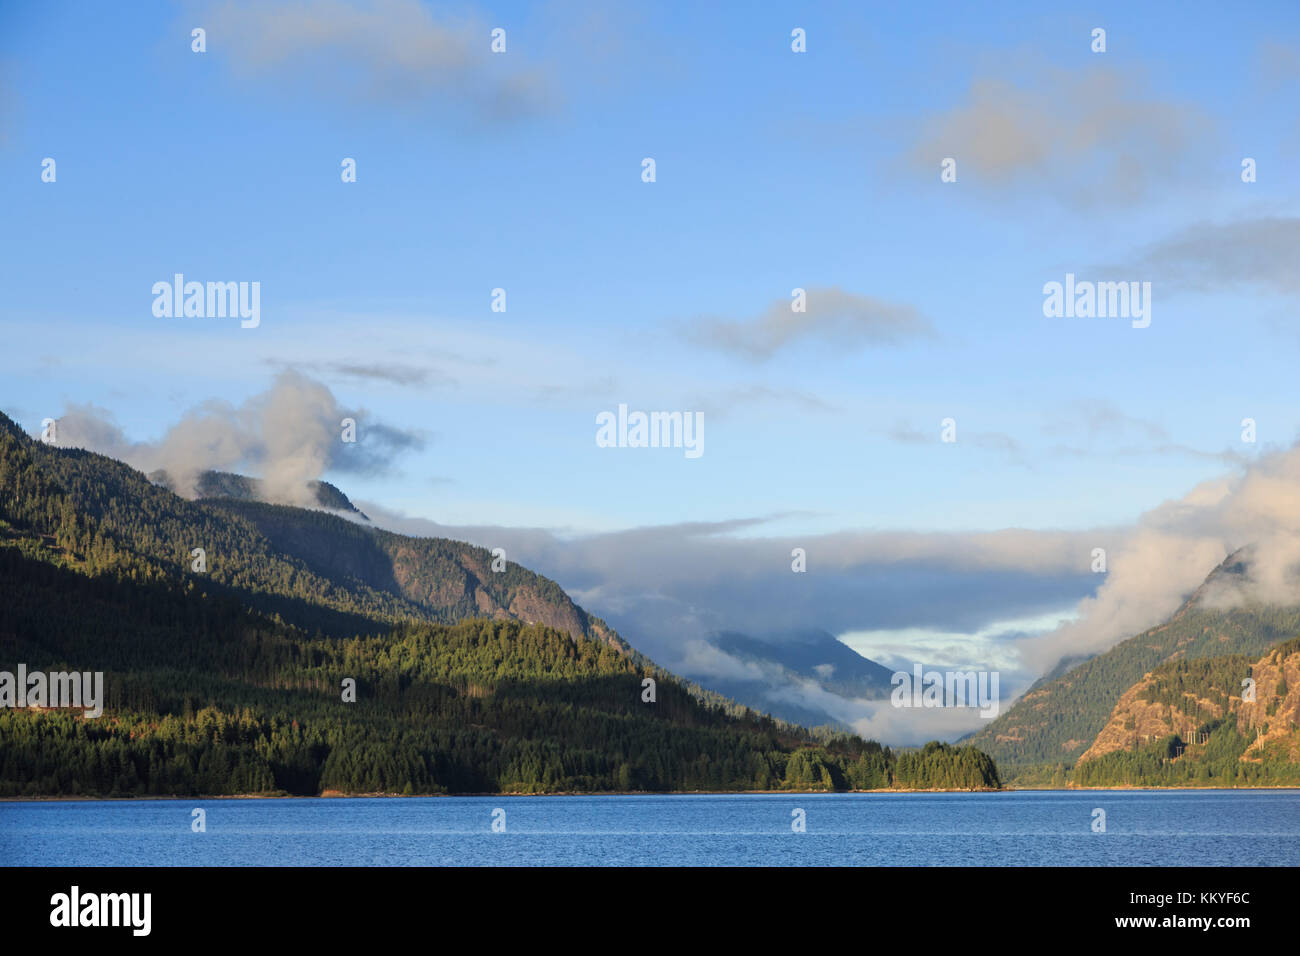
(236, 679)
(1195, 722)
(314, 569)
(1058, 719)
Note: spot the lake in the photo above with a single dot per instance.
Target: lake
(1026, 828)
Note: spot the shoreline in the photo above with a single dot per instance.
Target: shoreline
(338, 795)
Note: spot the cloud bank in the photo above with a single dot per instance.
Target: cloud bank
(1175, 546)
(288, 436)
(1087, 135)
(831, 316)
(390, 52)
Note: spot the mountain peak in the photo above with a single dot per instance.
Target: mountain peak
(226, 484)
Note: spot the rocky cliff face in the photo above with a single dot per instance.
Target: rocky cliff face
(1182, 698)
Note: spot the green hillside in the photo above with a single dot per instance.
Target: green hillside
(1058, 719)
(314, 569)
(231, 680)
(1188, 723)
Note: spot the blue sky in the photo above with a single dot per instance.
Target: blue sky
(775, 170)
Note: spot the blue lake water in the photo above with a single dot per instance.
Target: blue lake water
(1143, 828)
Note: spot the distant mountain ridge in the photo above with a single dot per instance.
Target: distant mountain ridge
(225, 484)
(806, 655)
(814, 654)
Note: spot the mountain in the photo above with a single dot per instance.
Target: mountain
(316, 570)
(1063, 667)
(257, 648)
(815, 655)
(786, 658)
(1193, 722)
(1058, 719)
(224, 484)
